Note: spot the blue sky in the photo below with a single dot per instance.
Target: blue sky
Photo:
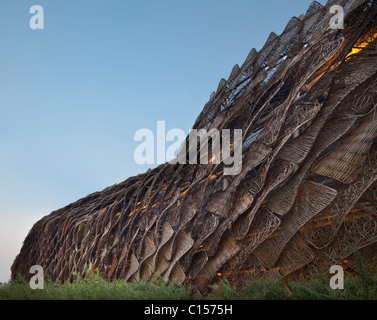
(73, 95)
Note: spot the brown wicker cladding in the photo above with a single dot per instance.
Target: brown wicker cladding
(306, 103)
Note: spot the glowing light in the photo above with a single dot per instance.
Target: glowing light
(213, 158)
(361, 46)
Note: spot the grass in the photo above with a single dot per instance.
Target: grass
(94, 287)
(361, 287)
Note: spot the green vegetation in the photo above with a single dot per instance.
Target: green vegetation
(94, 287)
(361, 287)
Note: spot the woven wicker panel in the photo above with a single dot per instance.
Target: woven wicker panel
(264, 224)
(161, 266)
(296, 150)
(242, 202)
(282, 200)
(312, 198)
(199, 259)
(358, 231)
(229, 247)
(208, 225)
(221, 204)
(148, 250)
(322, 230)
(346, 162)
(177, 274)
(239, 277)
(296, 254)
(182, 244)
(166, 235)
(279, 171)
(134, 266)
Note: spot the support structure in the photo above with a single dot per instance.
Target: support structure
(307, 192)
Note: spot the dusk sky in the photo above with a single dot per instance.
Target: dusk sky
(73, 94)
